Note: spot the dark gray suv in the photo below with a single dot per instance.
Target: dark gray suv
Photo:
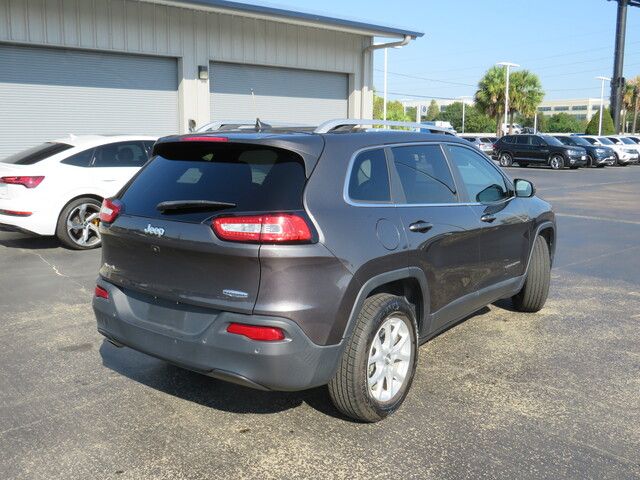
(289, 260)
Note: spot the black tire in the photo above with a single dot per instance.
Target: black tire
(61, 229)
(556, 162)
(349, 387)
(534, 292)
(505, 159)
(590, 161)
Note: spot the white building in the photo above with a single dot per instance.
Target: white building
(160, 66)
(581, 108)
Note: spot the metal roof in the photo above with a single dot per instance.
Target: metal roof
(282, 14)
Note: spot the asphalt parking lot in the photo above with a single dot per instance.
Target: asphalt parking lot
(501, 395)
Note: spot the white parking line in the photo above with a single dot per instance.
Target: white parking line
(602, 219)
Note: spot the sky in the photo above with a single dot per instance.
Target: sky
(565, 42)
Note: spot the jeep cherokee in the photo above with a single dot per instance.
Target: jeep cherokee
(285, 260)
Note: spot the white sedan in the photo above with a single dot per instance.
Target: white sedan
(57, 188)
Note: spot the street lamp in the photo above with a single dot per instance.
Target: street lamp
(507, 66)
(462, 99)
(602, 79)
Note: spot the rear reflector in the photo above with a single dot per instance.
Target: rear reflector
(110, 210)
(101, 292)
(204, 139)
(277, 228)
(255, 332)
(29, 182)
(15, 213)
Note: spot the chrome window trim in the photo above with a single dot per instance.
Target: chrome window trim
(355, 203)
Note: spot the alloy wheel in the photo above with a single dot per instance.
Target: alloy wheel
(389, 359)
(82, 225)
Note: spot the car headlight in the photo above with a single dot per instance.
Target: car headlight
(600, 151)
(574, 152)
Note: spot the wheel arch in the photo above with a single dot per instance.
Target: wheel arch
(409, 282)
(76, 197)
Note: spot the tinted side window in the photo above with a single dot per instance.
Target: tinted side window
(424, 174)
(369, 180)
(483, 182)
(125, 154)
(537, 141)
(82, 159)
(509, 139)
(35, 154)
(522, 140)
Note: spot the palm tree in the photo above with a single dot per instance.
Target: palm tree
(628, 100)
(525, 93)
(635, 102)
(489, 97)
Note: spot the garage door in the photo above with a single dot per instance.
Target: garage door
(48, 93)
(244, 92)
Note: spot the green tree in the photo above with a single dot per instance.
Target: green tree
(632, 102)
(607, 124)
(564, 123)
(525, 94)
(395, 110)
(433, 111)
(475, 122)
(489, 97)
(542, 125)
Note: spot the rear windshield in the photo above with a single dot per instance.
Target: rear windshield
(35, 154)
(253, 177)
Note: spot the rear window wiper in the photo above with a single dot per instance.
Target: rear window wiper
(180, 205)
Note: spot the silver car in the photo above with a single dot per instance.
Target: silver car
(484, 144)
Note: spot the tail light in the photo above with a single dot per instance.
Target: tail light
(277, 228)
(101, 292)
(110, 210)
(29, 182)
(256, 332)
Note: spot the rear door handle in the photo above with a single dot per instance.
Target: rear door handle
(488, 218)
(420, 226)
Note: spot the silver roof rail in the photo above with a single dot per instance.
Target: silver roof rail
(222, 125)
(332, 125)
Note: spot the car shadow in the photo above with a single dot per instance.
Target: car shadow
(207, 391)
(12, 239)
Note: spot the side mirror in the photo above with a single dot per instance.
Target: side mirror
(524, 188)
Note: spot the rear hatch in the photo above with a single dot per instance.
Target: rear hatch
(172, 251)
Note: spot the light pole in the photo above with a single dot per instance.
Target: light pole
(602, 79)
(507, 66)
(462, 99)
(384, 88)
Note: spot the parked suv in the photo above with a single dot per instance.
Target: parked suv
(625, 155)
(528, 150)
(597, 156)
(286, 261)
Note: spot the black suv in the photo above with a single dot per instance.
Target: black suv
(528, 150)
(290, 260)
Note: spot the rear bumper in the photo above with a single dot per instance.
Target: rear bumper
(34, 223)
(195, 338)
